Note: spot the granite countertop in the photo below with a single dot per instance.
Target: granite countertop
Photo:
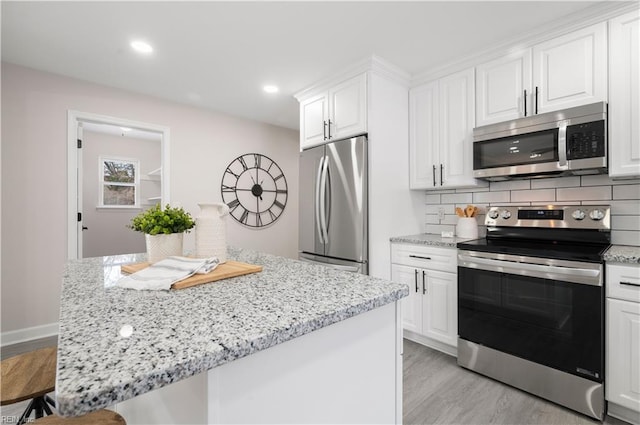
(429, 239)
(181, 333)
(622, 254)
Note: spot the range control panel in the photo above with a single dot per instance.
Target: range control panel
(551, 216)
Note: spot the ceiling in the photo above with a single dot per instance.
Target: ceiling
(218, 55)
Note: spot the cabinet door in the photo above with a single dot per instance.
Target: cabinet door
(571, 70)
(500, 89)
(313, 116)
(411, 305)
(624, 95)
(440, 307)
(348, 108)
(424, 130)
(457, 117)
(623, 353)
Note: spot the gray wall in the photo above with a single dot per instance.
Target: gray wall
(107, 233)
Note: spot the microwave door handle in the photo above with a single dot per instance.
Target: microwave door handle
(562, 145)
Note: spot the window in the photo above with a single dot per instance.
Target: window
(119, 182)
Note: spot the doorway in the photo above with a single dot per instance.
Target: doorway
(117, 167)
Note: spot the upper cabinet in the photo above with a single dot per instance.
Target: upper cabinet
(560, 73)
(503, 88)
(441, 120)
(336, 113)
(624, 95)
(571, 70)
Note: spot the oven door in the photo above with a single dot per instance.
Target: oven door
(543, 310)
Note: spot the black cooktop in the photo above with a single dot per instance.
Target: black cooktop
(560, 250)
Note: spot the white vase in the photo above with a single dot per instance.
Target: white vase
(162, 246)
(467, 227)
(211, 231)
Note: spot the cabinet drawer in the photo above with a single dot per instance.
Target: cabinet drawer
(427, 257)
(623, 282)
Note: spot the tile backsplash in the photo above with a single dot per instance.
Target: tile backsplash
(622, 195)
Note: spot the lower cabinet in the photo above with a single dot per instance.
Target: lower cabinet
(429, 313)
(622, 384)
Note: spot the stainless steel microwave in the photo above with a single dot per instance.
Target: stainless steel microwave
(567, 142)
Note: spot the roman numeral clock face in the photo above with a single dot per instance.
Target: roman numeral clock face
(255, 189)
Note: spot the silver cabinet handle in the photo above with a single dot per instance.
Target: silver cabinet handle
(329, 130)
(434, 174)
(324, 130)
(416, 279)
(630, 284)
(424, 288)
(441, 170)
(525, 102)
(536, 110)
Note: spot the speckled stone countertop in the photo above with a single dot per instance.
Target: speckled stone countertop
(622, 254)
(429, 239)
(177, 334)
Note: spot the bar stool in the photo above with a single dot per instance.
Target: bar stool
(29, 376)
(100, 417)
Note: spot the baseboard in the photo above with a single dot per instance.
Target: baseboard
(28, 334)
(436, 345)
(623, 413)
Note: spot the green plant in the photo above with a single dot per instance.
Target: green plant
(156, 220)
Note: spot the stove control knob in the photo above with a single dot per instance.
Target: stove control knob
(596, 215)
(506, 214)
(578, 215)
(493, 214)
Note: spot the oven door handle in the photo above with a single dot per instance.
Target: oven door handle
(569, 274)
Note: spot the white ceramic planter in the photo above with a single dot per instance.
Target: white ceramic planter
(162, 246)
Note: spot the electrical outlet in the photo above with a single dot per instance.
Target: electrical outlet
(440, 213)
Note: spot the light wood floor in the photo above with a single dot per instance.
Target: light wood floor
(435, 391)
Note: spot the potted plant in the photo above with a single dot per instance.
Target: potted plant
(164, 230)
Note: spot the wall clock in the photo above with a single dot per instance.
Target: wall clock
(255, 189)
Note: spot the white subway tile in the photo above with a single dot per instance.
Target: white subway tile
(538, 195)
(510, 185)
(432, 219)
(473, 189)
(449, 219)
(594, 193)
(627, 191)
(625, 222)
(573, 181)
(492, 197)
(457, 198)
(433, 199)
(558, 203)
(625, 237)
(625, 208)
(597, 180)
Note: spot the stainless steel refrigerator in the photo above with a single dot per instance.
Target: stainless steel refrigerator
(333, 205)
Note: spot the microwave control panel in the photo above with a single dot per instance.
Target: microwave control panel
(586, 140)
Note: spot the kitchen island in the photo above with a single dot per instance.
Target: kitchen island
(294, 343)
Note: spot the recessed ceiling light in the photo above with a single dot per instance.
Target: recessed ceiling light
(125, 129)
(141, 46)
(270, 89)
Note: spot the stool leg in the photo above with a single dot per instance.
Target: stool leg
(26, 413)
(50, 401)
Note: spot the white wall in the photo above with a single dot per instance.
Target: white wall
(34, 176)
(107, 232)
(622, 195)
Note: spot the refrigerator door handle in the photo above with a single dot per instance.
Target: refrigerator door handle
(317, 203)
(323, 200)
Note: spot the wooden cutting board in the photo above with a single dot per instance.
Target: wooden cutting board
(223, 271)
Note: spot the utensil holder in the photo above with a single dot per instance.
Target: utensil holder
(467, 227)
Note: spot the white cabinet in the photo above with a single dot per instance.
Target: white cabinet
(337, 113)
(624, 95)
(623, 342)
(571, 70)
(503, 88)
(429, 313)
(563, 72)
(441, 120)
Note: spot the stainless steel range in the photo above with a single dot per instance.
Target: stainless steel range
(531, 302)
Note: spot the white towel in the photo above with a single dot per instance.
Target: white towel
(164, 273)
